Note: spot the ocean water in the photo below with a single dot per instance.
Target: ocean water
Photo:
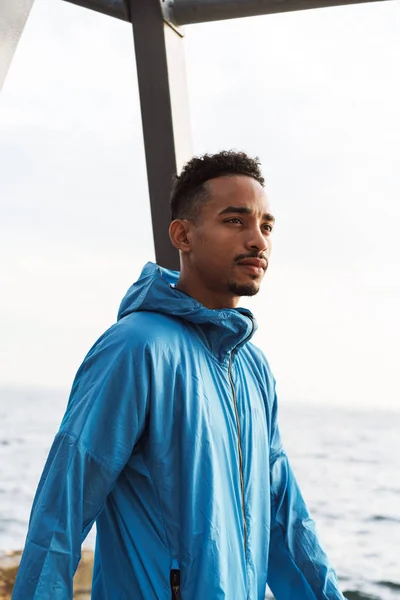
(347, 463)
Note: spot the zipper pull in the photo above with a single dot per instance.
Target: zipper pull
(175, 579)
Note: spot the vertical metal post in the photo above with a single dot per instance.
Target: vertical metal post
(13, 16)
(165, 114)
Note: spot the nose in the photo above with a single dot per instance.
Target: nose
(257, 240)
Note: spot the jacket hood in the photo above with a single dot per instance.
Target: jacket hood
(155, 291)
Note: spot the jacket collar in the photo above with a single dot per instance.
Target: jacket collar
(222, 330)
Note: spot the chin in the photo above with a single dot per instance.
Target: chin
(244, 289)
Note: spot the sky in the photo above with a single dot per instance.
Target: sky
(314, 94)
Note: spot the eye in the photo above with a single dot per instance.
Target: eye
(235, 220)
(267, 227)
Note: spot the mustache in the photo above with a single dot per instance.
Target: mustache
(259, 255)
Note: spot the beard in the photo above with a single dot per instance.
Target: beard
(244, 289)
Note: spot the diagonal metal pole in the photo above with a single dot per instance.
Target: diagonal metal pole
(13, 16)
(165, 114)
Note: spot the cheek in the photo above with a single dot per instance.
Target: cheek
(212, 257)
(211, 244)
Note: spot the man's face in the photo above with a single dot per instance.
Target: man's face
(230, 242)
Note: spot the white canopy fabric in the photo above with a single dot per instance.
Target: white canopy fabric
(13, 16)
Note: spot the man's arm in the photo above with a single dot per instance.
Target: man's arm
(298, 567)
(104, 418)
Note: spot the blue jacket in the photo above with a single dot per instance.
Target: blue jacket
(170, 443)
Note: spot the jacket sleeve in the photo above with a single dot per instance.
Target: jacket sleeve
(105, 417)
(298, 567)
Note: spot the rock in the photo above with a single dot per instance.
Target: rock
(9, 563)
(8, 570)
(83, 576)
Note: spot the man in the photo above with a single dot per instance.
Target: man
(170, 440)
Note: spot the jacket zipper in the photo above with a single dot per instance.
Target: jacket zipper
(175, 579)
(240, 452)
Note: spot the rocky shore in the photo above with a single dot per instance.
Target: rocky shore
(9, 563)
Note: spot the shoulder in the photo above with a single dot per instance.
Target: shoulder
(139, 331)
(147, 326)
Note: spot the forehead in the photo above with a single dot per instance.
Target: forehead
(237, 190)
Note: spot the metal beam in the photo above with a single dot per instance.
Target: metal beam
(113, 8)
(185, 12)
(13, 16)
(165, 115)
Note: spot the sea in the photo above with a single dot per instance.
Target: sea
(346, 461)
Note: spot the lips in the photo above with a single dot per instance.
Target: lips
(259, 263)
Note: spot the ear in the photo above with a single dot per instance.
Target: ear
(180, 234)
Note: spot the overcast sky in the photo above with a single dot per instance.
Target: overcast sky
(314, 94)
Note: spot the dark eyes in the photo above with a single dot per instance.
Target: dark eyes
(267, 227)
(236, 220)
(233, 220)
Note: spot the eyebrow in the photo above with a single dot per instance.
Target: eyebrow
(242, 210)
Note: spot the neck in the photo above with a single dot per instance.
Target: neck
(195, 288)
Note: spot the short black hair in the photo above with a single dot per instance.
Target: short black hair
(188, 191)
